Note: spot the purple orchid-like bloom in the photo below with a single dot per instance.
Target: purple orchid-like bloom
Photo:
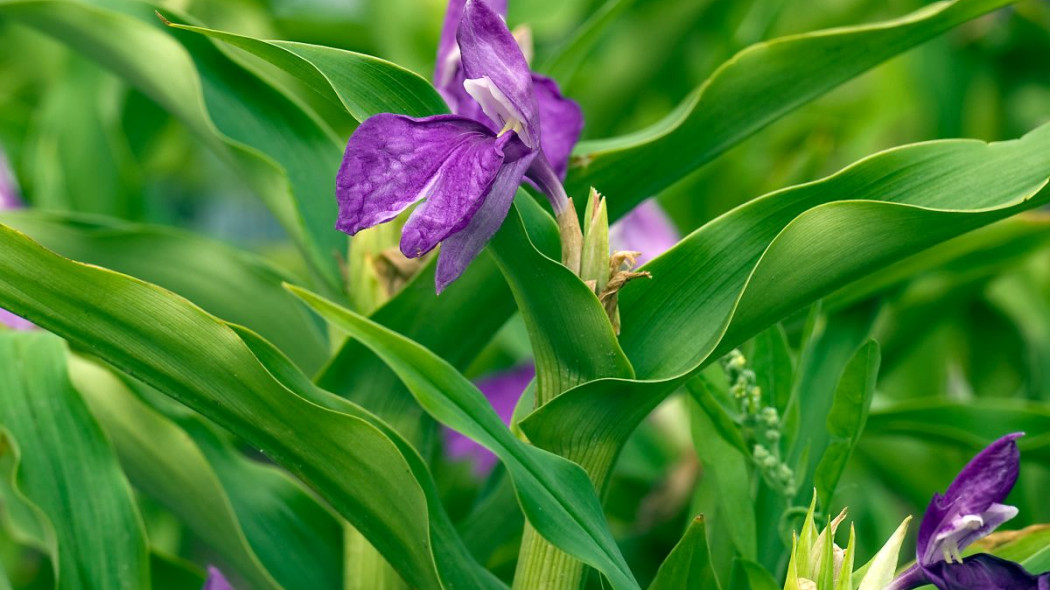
(10, 199)
(464, 172)
(971, 508)
(646, 229)
(561, 119)
(503, 391)
(216, 581)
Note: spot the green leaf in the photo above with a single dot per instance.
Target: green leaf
(282, 152)
(727, 464)
(749, 575)
(751, 267)
(773, 364)
(366, 472)
(367, 85)
(95, 540)
(556, 496)
(845, 420)
(689, 564)
(751, 90)
(572, 339)
(227, 282)
(165, 464)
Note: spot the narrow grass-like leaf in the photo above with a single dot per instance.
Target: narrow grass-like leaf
(556, 495)
(846, 418)
(367, 472)
(754, 88)
(95, 539)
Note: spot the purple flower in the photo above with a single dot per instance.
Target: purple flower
(986, 572)
(970, 509)
(464, 171)
(216, 581)
(646, 229)
(503, 391)
(561, 120)
(10, 199)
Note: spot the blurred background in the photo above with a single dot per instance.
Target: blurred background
(973, 328)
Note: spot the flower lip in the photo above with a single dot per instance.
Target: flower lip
(972, 506)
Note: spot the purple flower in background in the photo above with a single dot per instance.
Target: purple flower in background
(646, 229)
(503, 391)
(561, 120)
(464, 172)
(216, 581)
(10, 199)
(970, 509)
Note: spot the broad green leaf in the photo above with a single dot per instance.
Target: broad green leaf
(366, 85)
(366, 472)
(96, 539)
(689, 564)
(260, 520)
(727, 464)
(282, 152)
(556, 495)
(754, 88)
(754, 265)
(229, 283)
(165, 464)
(572, 339)
(845, 419)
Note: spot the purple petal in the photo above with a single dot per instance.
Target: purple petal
(459, 249)
(646, 229)
(451, 204)
(392, 161)
(216, 581)
(972, 506)
(448, 69)
(500, 76)
(503, 391)
(986, 572)
(561, 122)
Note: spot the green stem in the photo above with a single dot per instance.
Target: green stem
(542, 565)
(365, 568)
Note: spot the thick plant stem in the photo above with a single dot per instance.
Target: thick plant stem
(365, 567)
(542, 565)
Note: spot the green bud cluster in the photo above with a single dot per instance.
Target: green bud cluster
(759, 423)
